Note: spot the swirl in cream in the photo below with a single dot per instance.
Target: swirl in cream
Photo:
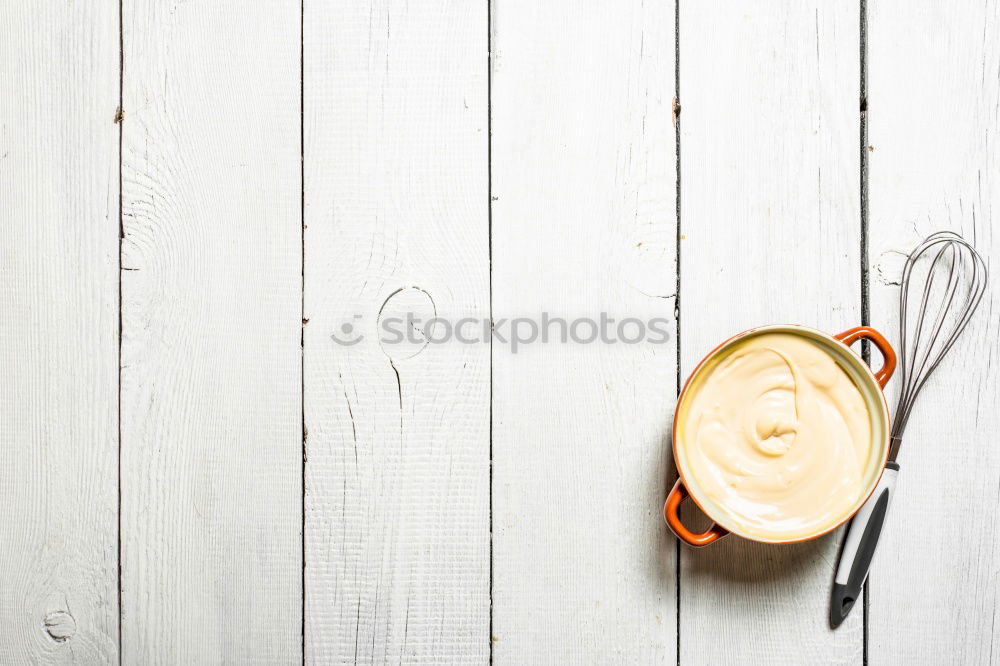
(777, 437)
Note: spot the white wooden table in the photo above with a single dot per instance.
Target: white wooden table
(193, 471)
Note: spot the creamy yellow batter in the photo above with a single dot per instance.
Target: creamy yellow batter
(777, 436)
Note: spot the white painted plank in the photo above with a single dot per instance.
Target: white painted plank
(584, 222)
(211, 384)
(397, 499)
(59, 332)
(934, 90)
(771, 234)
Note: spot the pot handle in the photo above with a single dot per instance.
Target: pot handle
(678, 494)
(851, 336)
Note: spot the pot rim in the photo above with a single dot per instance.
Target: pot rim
(873, 385)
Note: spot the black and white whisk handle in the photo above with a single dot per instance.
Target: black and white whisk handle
(859, 547)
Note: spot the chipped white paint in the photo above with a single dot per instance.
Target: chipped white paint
(772, 231)
(211, 421)
(934, 91)
(397, 487)
(58, 333)
(584, 222)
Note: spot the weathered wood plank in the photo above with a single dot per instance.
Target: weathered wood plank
(771, 234)
(397, 499)
(59, 333)
(584, 222)
(211, 305)
(934, 91)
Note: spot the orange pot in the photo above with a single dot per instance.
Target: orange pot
(870, 384)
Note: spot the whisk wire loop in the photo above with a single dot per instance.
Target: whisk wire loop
(964, 273)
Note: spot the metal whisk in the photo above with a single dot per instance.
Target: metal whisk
(965, 274)
(950, 291)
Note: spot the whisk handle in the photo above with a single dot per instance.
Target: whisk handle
(859, 547)
(851, 336)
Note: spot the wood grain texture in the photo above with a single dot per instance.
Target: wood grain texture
(397, 486)
(584, 222)
(58, 333)
(771, 234)
(211, 307)
(934, 95)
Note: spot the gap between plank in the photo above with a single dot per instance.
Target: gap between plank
(865, 304)
(489, 233)
(302, 307)
(677, 285)
(120, 118)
